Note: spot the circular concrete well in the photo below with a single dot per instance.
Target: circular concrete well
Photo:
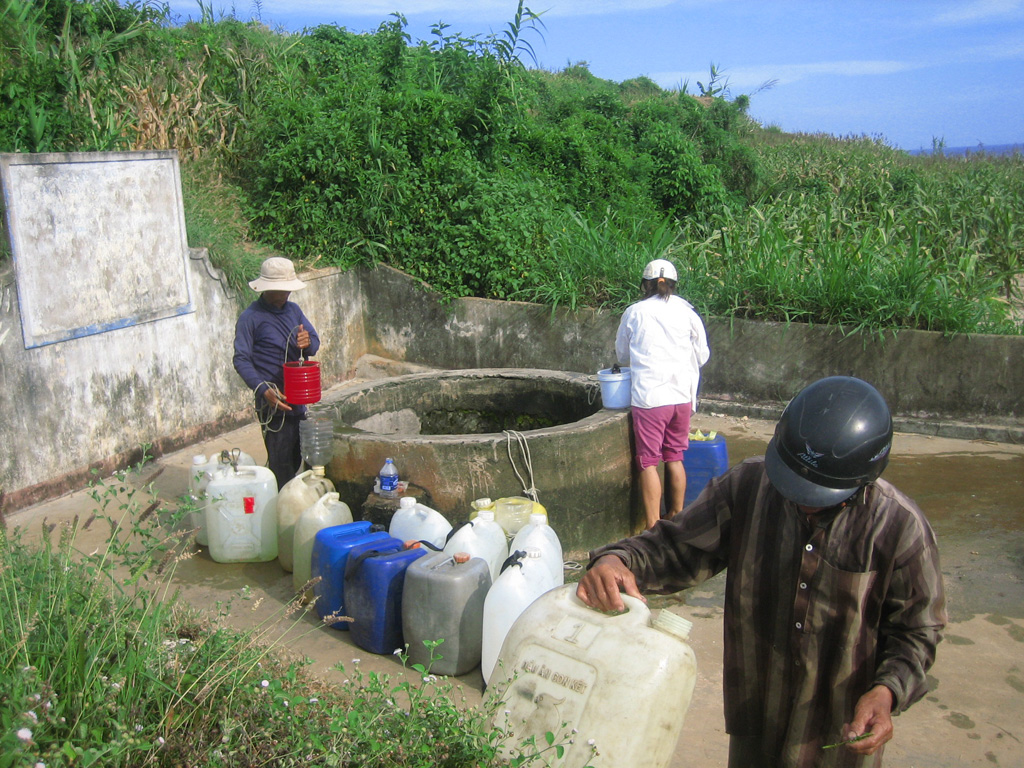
(461, 435)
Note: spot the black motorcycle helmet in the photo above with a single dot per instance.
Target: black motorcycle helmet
(833, 438)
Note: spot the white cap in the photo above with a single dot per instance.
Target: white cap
(660, 268)
(198, 459)
(538, 518)
(407, 501)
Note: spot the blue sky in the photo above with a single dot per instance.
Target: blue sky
(907, 71)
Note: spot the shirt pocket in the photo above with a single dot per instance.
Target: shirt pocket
(843, 611)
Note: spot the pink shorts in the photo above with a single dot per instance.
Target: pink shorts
(662, 433)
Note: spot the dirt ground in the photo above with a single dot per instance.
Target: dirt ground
(971, 491)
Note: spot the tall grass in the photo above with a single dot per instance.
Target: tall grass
(452, 161)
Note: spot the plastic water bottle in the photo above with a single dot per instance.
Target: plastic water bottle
(389, 479)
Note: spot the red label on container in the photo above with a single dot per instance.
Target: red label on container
(249, 504)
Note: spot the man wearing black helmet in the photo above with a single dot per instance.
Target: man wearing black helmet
(833, 600)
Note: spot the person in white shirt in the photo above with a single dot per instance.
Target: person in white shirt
(662, 340)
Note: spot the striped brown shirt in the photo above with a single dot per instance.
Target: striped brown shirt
(817, 611)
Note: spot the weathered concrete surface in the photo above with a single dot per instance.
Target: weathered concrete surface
(928, 379)
(580, 466)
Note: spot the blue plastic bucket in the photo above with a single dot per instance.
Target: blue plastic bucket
(703, 460)
(614, 388)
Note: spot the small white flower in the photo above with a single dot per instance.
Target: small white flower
(264, 684)
(396, 652)
(31, 715)
(314, 701)
(116, 686)
(138, 729)
(591, 742)
(40, 765)
(25, 734)
(160, 741)
(285, 702)
(356, 661)
(430, 678)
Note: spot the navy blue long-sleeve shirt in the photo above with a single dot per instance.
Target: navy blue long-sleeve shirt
(264, 335)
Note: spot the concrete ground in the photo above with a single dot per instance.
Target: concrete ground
(972, 492)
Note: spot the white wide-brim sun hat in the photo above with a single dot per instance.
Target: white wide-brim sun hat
(277, 274)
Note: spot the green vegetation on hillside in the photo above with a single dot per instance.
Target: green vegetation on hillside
(450, 159)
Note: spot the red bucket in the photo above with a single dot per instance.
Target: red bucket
(302, 382)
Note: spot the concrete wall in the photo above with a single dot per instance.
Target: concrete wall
(970, 386)
(91, 402)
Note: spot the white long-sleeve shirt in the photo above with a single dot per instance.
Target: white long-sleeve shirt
(664, 343)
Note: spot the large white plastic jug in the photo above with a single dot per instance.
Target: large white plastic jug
(413, 521)
(199, 478)
(241, 515)
(326, 511)
(483, 538)
(297, 495)
(537, 533)
(519, 584)
(563, 662)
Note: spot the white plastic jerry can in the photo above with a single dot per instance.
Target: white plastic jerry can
(563, 662)
(295, 497)
(327, 511)
(200, 477)
(241, 515)
(413, 521)
(524, 577)
(537, 533)
(483, 538)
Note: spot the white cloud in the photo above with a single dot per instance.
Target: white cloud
(980, 10)
(743, 79)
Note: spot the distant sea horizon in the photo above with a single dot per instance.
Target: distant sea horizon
(979, 149)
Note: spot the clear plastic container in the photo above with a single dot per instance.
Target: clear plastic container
(563, 662)
(512, 513)
(297, 495)
(326, 512)
(316, 439)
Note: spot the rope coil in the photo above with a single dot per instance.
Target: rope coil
(530, 491)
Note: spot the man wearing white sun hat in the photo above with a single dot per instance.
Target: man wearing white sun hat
(662, 340)
(270, 332)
